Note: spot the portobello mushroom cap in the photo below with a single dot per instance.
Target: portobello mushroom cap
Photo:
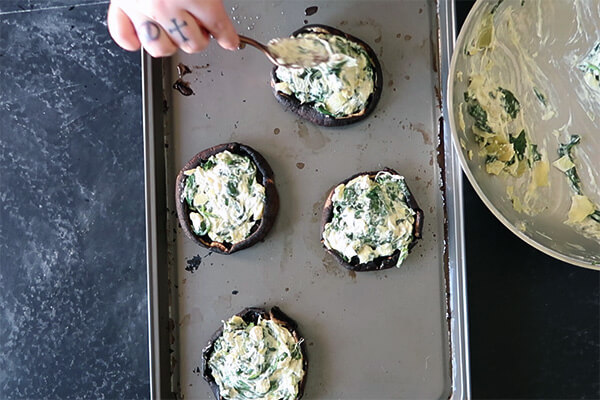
(264, 176)
(382, 262)
(252, 314)
(306, 110)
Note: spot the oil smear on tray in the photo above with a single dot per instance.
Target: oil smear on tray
(531, 101)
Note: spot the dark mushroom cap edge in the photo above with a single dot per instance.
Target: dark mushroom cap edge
(251, 314)
(306, 110)
(379, 263)
(264, 175)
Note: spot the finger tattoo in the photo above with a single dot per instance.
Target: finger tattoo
(177, 28)
(151, 30)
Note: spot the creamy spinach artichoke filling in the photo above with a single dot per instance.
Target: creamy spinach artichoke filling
(224, 197)
(338, 88)
(371, 218)
(299, 52)
(257, 361)
(591, 68)
(500, 133)
(583, 214)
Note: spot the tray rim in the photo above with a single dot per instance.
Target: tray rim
(459, 333)
(156, 223)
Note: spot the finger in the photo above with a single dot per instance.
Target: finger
(151, 35)
(121, 29)
(154, 39)
(214, 18)
(184, 31)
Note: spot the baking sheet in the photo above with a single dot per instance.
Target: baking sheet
(398, 333)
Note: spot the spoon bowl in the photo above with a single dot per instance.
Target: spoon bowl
(291, 52)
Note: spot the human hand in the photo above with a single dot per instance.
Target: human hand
(162, 26)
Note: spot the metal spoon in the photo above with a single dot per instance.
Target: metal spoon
(295, 60)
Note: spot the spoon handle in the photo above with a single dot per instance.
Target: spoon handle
(259, 46)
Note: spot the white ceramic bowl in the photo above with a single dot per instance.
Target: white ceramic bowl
(538, 43)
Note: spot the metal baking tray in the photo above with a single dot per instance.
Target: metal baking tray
(398, 333)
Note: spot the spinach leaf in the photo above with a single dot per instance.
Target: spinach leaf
(232, 188)
(321, 108)
(349, 194)
(490, 159)
(540, 96)
(204, 227)
(477, 112)
(535, 154)
(296, 352)
(566, 150)
(190, 184)
(574, 180)
(315, 74)
(496, 6)
(208, 165)
(519, 144)
(480, 115)
(510, 103)
(593, 68)
(337, 68)
(375, 201)
(205, 224)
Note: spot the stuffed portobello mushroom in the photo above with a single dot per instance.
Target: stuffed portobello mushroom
(226, 198)
(341, 91)
(256, 355)
(371, 221)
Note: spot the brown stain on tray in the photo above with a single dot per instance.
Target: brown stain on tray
(311, 10)
(352, 275)
(183, 69)
(419, 127)
(313, 138)
(192, 264)
(183, 87)
(180, 85)
(332, 266)
(186, 319)
(317, 209)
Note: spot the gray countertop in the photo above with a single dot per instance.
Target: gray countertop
(73, 312)
(73, 317)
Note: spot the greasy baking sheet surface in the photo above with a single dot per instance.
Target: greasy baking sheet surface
(369, 335)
